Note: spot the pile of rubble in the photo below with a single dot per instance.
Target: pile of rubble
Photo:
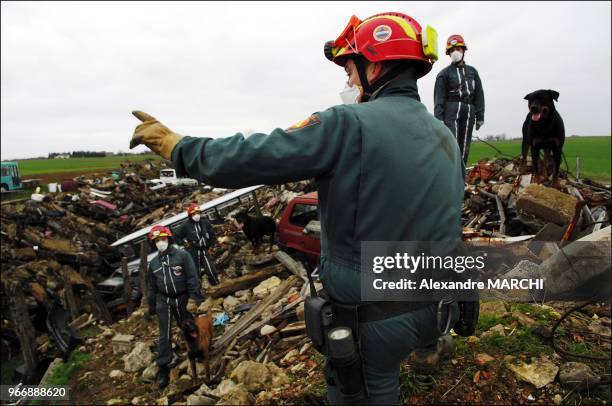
(500, 201)
(61, 239)
(260, 340)
(258, 308)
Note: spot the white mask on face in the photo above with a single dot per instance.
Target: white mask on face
(350, 94)
(161, 245)
(456, 56)
(196, 217)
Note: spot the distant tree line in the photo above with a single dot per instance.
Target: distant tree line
(93, 154)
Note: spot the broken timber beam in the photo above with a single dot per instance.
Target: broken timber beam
(246, 320)
(127, 286)
(230, 286)
(23, 327)
(143, 268)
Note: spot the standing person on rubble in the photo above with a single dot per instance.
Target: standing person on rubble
(458, 96)
(199, 237)
(173, 286)
(386, 170)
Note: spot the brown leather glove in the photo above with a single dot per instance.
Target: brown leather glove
(159, 138)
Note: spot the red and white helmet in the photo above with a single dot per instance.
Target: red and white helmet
(385, 37)
(455, 40)
(193, 208)
(159, 231)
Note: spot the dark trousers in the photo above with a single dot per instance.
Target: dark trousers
(460, 119)
(204, 265)
(167, 309)
(384, 345)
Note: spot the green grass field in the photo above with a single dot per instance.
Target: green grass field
(594, 153)
(34, 167)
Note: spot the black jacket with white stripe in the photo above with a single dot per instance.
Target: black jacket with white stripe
(458, 84)
(171, 275)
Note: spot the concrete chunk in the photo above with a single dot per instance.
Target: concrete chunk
(547, 204)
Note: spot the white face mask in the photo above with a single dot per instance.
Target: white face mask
(456, 56)
(350, 94)
(195, 217)
(161, 245)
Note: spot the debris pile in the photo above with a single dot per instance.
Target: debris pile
(502, 202)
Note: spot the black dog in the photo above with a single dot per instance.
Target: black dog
(543, 129)
(255, 228)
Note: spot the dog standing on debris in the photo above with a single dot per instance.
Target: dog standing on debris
(543, 129)
(198, 335)
(255, 228)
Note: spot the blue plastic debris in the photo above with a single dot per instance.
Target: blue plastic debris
(221, 319)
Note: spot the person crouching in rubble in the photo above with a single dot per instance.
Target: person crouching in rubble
(198, 236)
(172, 287)
(386, 170)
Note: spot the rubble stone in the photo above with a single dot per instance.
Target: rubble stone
(229, 303)
(148, 375)
(290, 357)
(200, 400)
(548, 204)
(267, 330)
(504, 192)
(497, 329)
(115, 374)
(140, 357)
(237, 396)
(539, 373)
(496, 308)
(256, 376)
(224, 387)
(524, 320)
(265, 287)
(579, 376)
(122, 343)
(483, 358)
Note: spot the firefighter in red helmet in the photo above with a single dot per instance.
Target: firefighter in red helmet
(198, 236)
(458, 95)
(172, 284)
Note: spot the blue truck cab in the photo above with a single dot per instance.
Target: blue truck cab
(11, 180)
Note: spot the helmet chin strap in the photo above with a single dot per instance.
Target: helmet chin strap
(370, 88)
(363, 78)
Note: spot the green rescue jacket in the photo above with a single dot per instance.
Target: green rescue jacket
(386, 170)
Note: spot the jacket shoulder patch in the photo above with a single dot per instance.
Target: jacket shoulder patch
(309, 122)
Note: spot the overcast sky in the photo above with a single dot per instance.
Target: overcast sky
(72, 72)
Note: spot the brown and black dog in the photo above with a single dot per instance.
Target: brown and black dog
(198, 334)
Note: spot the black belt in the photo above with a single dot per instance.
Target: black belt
(457, 99)
(374, 311)
(176, 296)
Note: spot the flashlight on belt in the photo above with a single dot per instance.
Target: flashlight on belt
(346, 361)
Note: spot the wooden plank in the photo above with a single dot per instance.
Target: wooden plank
(292, 265)
(99, 303)
(127, 286)
(23, 327)
(142, 271)
(246, 320)
(232, 285)
(69, 294)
